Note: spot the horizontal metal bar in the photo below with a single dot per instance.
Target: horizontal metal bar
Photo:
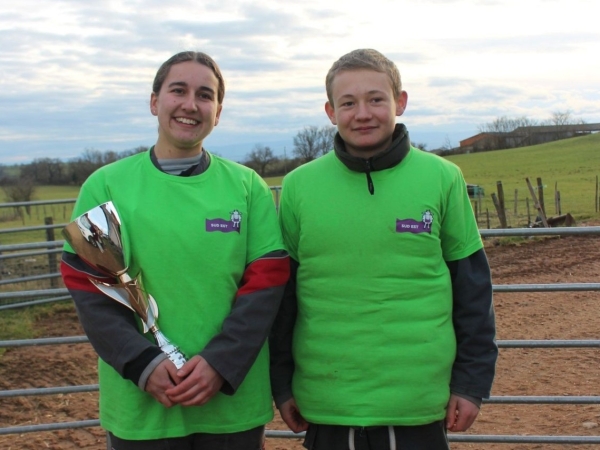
(23, 304)
(50, 427)
(557, 287)
(545, 400)
(452, 437)
(548, 343)
(544, 343)
(284, 434)
(480, 438)
(498, 400)
(497, 288)
(43, 341)
(45, 244)
(37, 293)
(34, 228)
(557, 231)
(30, 278)
(38, 202)
(49, 391)
(508, 439)
(26, 254)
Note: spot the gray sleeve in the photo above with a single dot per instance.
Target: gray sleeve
(474, 324)
(110, 326)
(233, 351)
(281, 340)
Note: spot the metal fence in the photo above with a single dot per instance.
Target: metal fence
(29, 297)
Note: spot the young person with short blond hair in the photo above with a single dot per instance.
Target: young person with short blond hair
(385, 337)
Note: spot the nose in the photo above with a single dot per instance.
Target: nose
(190, 103)
(362, 111)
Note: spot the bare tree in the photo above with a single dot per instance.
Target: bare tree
(506, 124)
(500, 129)
(133, 151)
(447, 145)
(560, 118)
(259, 158)
(327, 135)
(89, 161)
(419, 145)
(19, 189)
(306, 143)
(312, 142)
(45, 171)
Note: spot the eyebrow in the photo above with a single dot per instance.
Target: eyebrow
(184, 84)
(371, 92)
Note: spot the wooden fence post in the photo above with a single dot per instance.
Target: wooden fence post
(541, 194)
(502, 203)
(499, 210)
(537, 204)
(52, 266)
(596, 200)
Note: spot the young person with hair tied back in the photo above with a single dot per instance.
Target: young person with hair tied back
(385, 338)
(217, 290)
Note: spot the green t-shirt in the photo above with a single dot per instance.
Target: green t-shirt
(192, 237)
(374, 341)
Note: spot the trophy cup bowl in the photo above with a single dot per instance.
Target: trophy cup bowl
(96, 238)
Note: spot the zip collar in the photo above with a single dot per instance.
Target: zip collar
(387, 159)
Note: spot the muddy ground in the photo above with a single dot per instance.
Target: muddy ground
(536, 372)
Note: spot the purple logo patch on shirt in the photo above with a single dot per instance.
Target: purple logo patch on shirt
(222, 225)
(412, 226)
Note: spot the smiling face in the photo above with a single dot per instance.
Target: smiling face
(187, 109)
(364, 109)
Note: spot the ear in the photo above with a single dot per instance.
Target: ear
(218, 115)
(330, 113)
(153, 108)
(401, 103)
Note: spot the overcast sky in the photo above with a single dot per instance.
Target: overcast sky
(77, 75)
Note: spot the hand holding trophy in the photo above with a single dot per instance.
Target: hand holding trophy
(96, 238)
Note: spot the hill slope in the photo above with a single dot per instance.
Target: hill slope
(570, 165)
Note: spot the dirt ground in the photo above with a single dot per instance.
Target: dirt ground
(538, 372)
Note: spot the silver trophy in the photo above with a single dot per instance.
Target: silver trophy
(96, 238)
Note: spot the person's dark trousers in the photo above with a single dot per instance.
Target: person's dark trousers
(423, 437)
(246, 440)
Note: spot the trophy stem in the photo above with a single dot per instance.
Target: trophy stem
(171, 350)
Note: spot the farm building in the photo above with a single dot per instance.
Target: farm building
(524, 136)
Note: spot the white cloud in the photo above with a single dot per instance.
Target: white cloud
(76, 75)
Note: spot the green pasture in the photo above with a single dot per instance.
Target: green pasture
(568, 166)
(274, 181)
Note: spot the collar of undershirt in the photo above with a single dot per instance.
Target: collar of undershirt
(183, 167)
(391, 157)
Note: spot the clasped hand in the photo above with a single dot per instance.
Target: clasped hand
(192, 385)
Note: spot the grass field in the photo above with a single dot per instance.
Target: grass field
(570, 166)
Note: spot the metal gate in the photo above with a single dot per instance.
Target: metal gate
(32, 297)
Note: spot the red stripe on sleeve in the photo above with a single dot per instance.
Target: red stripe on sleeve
(76, 280)
(263, 274)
